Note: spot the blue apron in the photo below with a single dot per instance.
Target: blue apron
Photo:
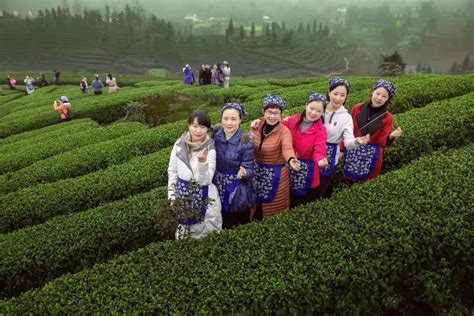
(193, 197)
(300, 181)
(268, 180)
(227, 183)
(360, 162)
(331, 151)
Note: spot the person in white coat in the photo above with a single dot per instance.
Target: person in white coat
(339, 129)
(190, 172)
(226, 73)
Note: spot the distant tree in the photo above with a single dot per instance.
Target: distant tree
(54, 17)
(326, 30)
(308, 29)
(283, 26)
(267, 32)
(40, 16)
(147, 40)
(241, 33)
(315, 27)
(300, 29)
(392, 65)
(288, 38)
(229, 32)
(274, 33)
(320, 31)
(252, 31)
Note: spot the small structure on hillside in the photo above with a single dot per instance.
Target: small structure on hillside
(266, 20)
(191, 17)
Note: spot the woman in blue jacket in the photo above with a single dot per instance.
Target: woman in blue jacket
(235, 166)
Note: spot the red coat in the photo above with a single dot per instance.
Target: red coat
(309, 145)
(379, 138)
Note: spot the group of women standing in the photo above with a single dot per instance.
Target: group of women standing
(233, 177)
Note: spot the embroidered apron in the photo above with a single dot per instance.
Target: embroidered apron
(193, 196)
(360, 162)
(227, 183)
(268, 180)
(300, 181)
(331, 151)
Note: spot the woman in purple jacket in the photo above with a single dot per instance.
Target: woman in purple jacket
(188, 75)
(235, 166)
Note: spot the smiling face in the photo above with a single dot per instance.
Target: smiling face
(197, 131)
(230, 120)
(314, 110)
(338, 96)
(379, 97)
(272, 115)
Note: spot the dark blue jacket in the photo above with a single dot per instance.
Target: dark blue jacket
(235, 152)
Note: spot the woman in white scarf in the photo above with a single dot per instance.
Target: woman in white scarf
(190, 173)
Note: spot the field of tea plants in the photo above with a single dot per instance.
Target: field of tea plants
(84, 225)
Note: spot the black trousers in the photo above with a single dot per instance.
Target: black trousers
(311, 196)
(326, 185)
(234, 219)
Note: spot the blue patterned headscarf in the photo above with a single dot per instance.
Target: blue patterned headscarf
(238, 106)
(317, 97)
(387, 85)
(274, 100)
(339, 81)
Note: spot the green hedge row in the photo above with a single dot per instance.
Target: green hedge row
(443, 124)
(34, 255)
(379, 247)
(9, 97)
(42, 133)
(93, 157)
(31, 152)
(41, 98)
(103, 109)
(37, 204)
(420, 131)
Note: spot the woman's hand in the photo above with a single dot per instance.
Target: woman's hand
(255, 124)
(323, 163)
(202, 156)
(242, 173)
(363, 140)
(295, 164)
(396, 133)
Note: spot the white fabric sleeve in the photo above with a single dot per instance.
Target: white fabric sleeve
(172, 173)
(348, 135)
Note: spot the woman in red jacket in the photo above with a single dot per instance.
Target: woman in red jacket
(309, 142)
(371, 118)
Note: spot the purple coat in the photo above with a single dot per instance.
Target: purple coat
(188, 76)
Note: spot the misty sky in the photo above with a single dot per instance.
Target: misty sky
(177, 8)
